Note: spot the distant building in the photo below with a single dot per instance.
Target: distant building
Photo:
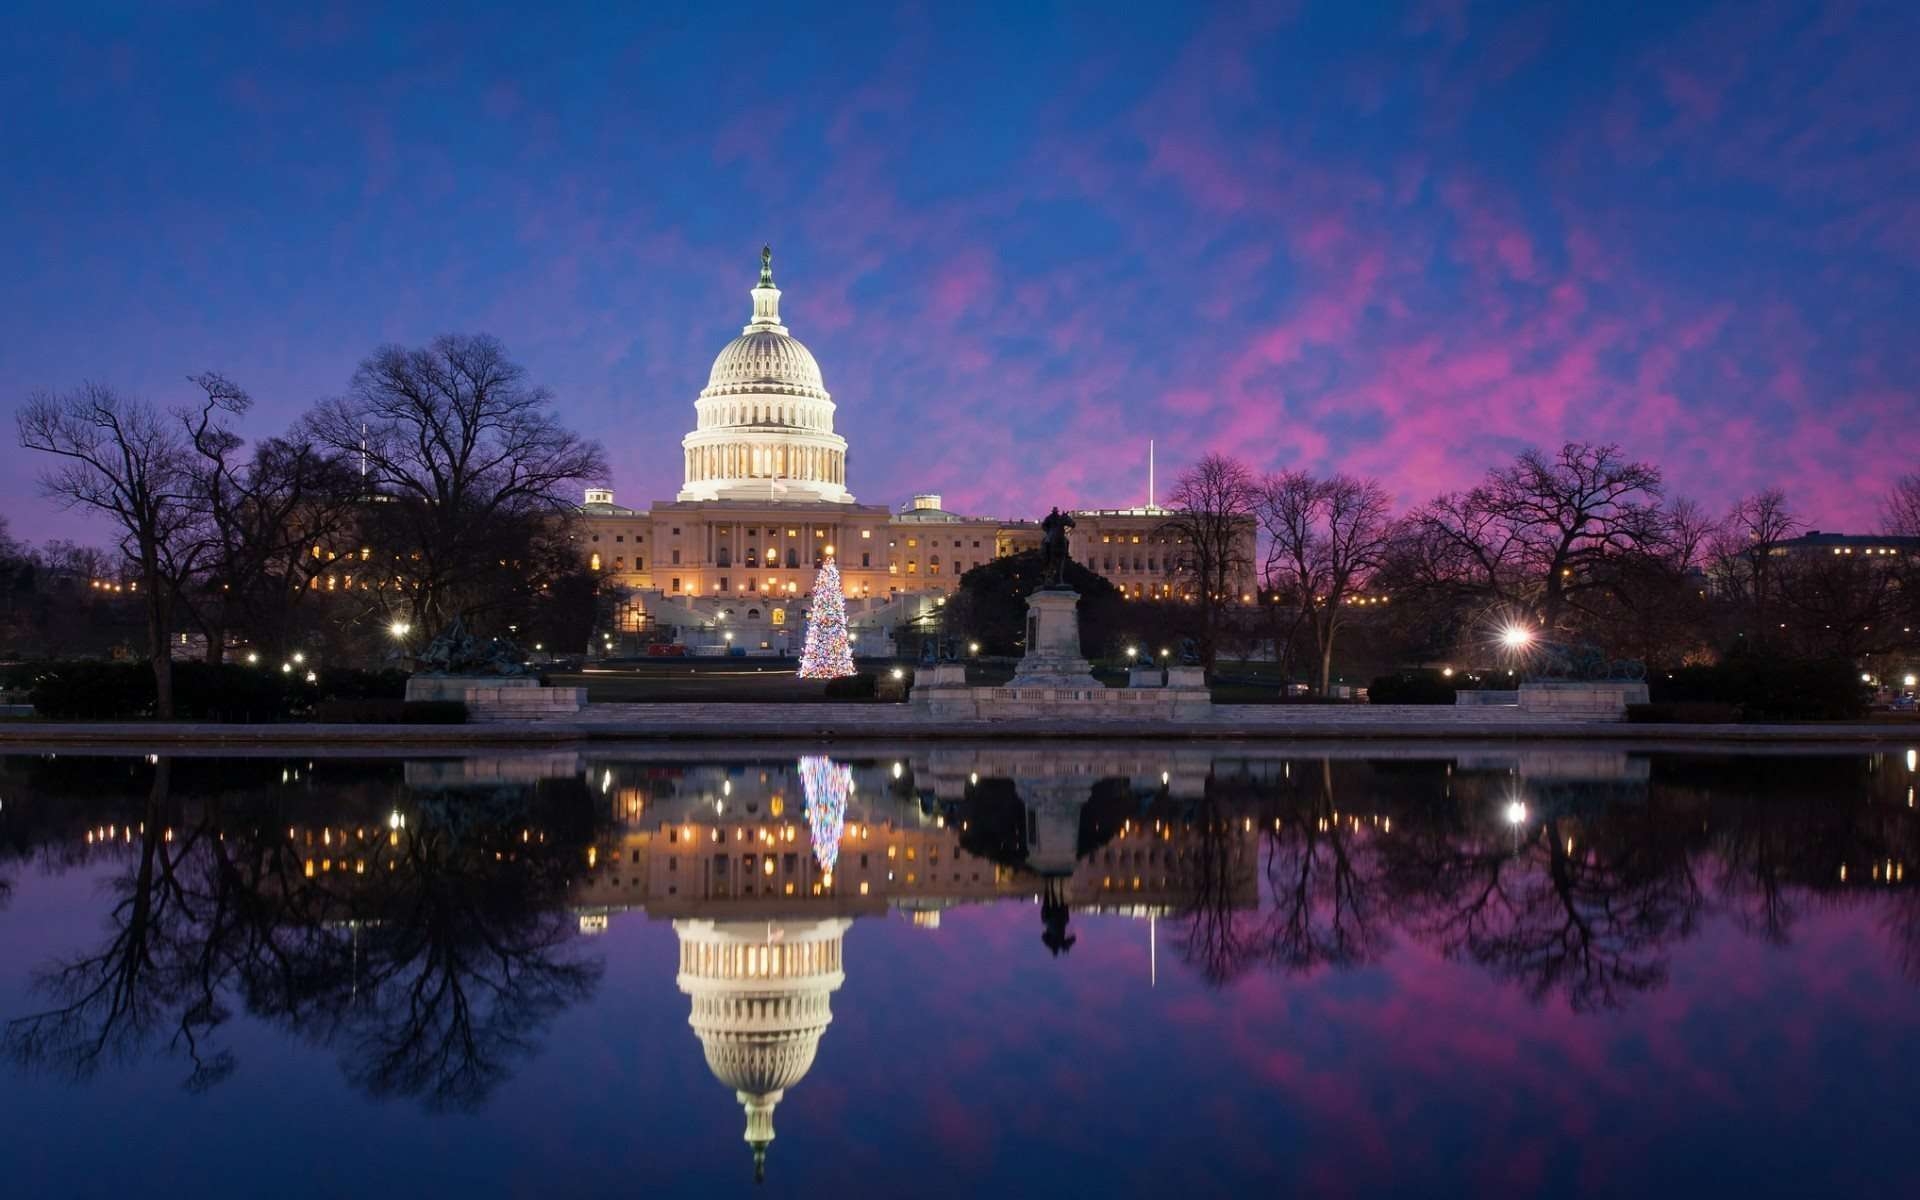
(1881, 546)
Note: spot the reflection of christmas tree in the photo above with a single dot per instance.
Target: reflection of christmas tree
(827, 784)
(826, 654)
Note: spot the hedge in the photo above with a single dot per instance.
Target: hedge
(1764, 688)
(863, 686)
(223, 692)
(1411, 687)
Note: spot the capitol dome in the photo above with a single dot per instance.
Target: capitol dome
(761, 999)
(764, 423)
(762, 362)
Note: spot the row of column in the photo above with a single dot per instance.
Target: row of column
(766, 462)
(802, 416)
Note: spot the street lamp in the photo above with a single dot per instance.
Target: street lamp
(1516, 637)
(400, 629)
(1132, 652)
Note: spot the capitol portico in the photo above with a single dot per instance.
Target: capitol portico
(765, 500)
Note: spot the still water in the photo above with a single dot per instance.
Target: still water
(1105, 971)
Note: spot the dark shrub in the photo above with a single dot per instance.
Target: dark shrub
(853, 687)
(390, 712)
(93, 691)
(1411, 687)
(1685, 712)
(1764, 688)
(346, 683)
(224, 692)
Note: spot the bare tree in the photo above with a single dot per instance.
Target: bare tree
(1212, 528)
(1547, 533)
(124, 459)
(1745, 566)
(472, 470)
(1324, 537)
(263, 511)
(1900, 511)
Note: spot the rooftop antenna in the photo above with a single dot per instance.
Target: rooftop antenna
(1149, 472)
(363, 451)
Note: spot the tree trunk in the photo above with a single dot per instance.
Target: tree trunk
(159, 647)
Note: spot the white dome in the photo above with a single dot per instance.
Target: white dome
(765, 362)
(763, 425)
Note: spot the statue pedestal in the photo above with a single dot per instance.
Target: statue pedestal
(1053, 643)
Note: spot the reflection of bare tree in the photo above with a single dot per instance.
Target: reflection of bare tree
(151, 973)
(1321, 881)
(1219, 936)
(1585, 910)
(448, 974)
(1322, 875)
(431, 965)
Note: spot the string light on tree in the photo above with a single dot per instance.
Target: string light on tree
(827, 654)
(827, 785)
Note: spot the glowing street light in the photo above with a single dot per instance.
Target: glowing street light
(299, 657)
(1516, 637)
(1516, 813)
(1132, 652)
(400, 629)
(1910, 680)
(1446, 672)
(974, 648)
(253, 659)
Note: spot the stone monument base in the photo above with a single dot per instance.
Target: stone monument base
(1054, 681)
(499, 697)
(1053, 657)
(1596, 699)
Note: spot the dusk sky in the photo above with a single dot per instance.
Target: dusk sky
(1398, 241)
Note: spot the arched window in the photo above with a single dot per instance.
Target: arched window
(753, 614)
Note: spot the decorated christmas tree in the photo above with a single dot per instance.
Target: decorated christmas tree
(827, 785)
(826, 654)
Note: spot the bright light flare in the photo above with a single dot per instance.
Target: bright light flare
(1516, 637)
(1516, 813)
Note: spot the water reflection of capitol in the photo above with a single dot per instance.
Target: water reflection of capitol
(763, 869)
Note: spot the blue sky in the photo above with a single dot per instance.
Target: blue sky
(1402, 241)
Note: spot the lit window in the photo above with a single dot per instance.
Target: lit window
(866, 533)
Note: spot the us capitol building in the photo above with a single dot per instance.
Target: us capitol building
(766, 500)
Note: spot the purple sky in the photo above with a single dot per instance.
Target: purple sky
(1400, 242)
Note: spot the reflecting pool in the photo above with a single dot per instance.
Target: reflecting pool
(1106, 970)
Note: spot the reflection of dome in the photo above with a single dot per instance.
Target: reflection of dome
(764, 424)
(761, 993)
